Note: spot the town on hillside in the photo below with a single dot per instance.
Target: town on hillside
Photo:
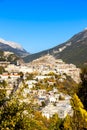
(42, 78)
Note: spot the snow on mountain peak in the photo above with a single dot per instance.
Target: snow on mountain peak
(15, 45)
(12, 44)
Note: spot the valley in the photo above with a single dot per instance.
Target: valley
(44, 89)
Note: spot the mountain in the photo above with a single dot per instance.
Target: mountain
(72, 51)
(13, 47)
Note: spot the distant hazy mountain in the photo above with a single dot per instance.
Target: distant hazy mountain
(72, 51)
(13, 47)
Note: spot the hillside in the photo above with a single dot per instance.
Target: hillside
(13, 47)
(9, 57)
(48, 63)
(72, 51)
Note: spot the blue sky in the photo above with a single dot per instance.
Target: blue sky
(41, 24)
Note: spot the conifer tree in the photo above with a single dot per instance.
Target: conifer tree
(82, 92)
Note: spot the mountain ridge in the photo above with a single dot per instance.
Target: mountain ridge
(13, 47)
(72, 51)
(12, 44)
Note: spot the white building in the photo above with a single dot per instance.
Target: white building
(25, 69)
(40, 77)
(52, 99)
(62, 110)
(31, 83)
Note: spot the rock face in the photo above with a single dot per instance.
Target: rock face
(10, 57)
(13, 47)
(72, 51)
